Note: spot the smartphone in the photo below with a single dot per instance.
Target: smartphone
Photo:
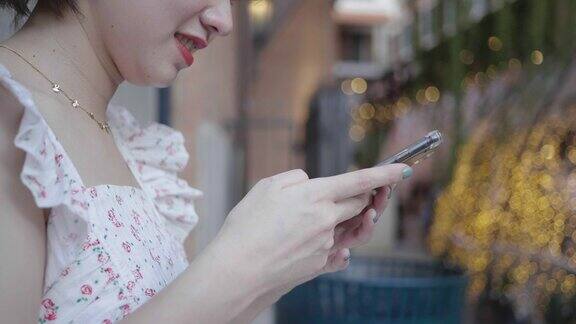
(417, 151)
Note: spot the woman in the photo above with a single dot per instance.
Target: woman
(85, 238)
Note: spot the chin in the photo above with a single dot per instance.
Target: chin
(157, 77)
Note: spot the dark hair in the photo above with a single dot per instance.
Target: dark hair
(21, 9)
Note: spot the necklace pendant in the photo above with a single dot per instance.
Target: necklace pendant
(56, 87)
(104, 126)
(75, 104)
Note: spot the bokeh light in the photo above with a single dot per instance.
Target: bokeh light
(537, 57)
(495, 44)
(359, 85)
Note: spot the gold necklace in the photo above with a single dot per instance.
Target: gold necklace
(103, 125)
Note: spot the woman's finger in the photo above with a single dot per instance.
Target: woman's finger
(380, 201)
(291, 177)
(353, 183)
(360, 234)
(337, 261)
(350, 207)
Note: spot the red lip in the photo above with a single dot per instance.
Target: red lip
(188, 57)
(199, 42)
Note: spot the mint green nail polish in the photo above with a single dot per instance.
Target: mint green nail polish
(407, 173)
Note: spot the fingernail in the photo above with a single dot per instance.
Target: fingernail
(373, 215)
(407, 173)
(347, 257)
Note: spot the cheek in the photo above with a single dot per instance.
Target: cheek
(145, 63)
(142, 52)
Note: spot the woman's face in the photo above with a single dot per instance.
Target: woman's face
(151, 40)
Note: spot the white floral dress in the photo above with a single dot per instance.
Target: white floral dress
(109, 248)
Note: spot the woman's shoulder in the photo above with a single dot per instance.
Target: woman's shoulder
(37, 156)
(11, 113)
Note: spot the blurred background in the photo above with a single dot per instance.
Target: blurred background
(485, 230)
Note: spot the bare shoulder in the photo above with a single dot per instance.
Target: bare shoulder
(22, 227)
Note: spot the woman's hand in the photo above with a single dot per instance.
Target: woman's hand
(358, 230)
(283, 232)
(348, 234)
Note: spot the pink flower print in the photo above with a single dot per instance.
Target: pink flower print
(111, 275)
(93, 192)
(184, 219)
(106, 321)
(126, 247)
(130, 285)
(125, 309)
(170, 149)
(113, 219)
(86, 290)
(121, 295)
(50, 315)
(160, 192)
(136, 217)
(103, 257)
(119, 200)
(65, 272)
(135, 232)
(58, 158)
(48, 303)
(41, 189)
(82, 204)
(137, 274)
(89, 244)
(154, 257)
(34, 180)
(150, 292)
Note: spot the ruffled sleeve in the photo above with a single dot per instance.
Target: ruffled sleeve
(157, 154)
(47, 171)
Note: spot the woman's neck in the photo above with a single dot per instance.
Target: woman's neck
(70, 51)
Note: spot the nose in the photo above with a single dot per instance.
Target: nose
(218, 19)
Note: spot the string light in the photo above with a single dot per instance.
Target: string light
(346, 87)
(537, 57)
(514, 64)
(432, 94)
(384, 114)
(495, 44)
(357, 133)
(508, 214)
(367, 111)
(421, 97)
(491, 72)
(479, 78)
(359, 85)
(467, 57)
